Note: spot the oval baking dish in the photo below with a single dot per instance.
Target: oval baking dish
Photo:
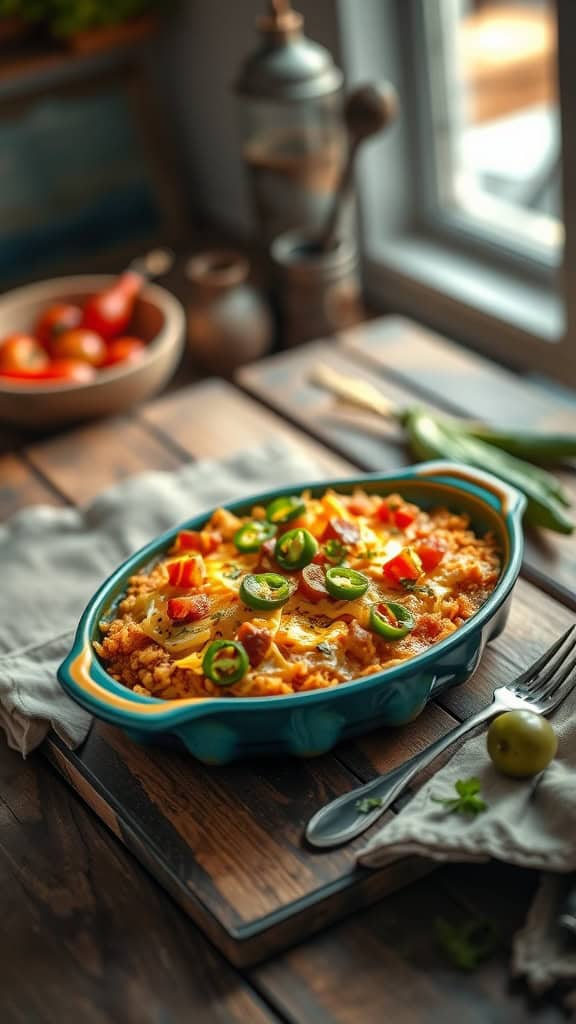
(305, 724)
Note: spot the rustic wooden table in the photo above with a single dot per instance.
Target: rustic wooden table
(87, 934)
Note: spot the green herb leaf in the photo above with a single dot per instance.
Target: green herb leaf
(467, 944)
(416, 588)
(232, 573)
(468, 800)
(369, 803)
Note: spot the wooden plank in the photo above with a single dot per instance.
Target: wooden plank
(214, 420)
(87, 935)
(284, 382)
(83, 462)
(387, 964)
(20, 486)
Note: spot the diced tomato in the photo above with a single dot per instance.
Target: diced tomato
(342, 530)
(406, 565)
(431, 554)
(256, 640)
(124, 350)
(383, 513)
(312, 583)
(204, 541)
(188, 609)
(320, 558)
(360, 505)
(187, 572)
(404, 516)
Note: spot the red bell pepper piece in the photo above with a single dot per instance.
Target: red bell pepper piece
(187, 572)
(406, 565)
(188, 609)
(431, 554)
(204, 541)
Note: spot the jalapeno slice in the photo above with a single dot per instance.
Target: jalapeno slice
(225, 662)
(265, 590)
(391, 620)
(283, 509)
(295, 549)
(251, 536)
(345, 584)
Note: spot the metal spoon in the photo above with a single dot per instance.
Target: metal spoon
(367, 110)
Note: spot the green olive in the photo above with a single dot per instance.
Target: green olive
(521, 743)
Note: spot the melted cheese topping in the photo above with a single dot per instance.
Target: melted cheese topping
(308, 643)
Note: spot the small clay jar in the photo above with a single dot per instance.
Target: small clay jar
(318, 291)
(228, 321)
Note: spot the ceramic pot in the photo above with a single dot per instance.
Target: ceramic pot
(228, 321)
(318, 292)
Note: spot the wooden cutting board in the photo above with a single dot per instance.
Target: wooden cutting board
(227, 843)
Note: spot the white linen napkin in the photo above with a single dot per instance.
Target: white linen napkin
(53, 559)
(531, 823)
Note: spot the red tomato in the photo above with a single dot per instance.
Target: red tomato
(87, 346)
(54, 320)
(56, 372)
(312, 582)
(404, 516)
(383, 512)
(21, 352)
(188, 609)
(204, 541)
(122, 350)
(110, 311)
(431, 554)
(406, 565)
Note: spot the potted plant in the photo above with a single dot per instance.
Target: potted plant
(90, 25)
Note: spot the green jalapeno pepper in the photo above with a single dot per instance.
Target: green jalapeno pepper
(295, 549)
(391, 620)
(345, 584)
(252, 535)
(283, 509)
(225, 662)
(265, 590)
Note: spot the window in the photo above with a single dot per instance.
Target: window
(467, 204)
(494, 120)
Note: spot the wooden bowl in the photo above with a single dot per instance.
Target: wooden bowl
(158, 320)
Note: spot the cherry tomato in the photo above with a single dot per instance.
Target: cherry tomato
(54, 320)
(110, 311)
(21, 352)
(87, 346)
(56, 372)
(122, 350)
(521, 743)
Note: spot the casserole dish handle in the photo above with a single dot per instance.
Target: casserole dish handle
(505, 499)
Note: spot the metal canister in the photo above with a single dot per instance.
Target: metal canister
(293, 137)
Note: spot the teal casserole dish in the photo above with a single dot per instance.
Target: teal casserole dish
(219, 730)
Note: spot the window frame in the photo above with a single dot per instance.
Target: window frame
(492, 297)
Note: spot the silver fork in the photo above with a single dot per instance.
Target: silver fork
(541, 688)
